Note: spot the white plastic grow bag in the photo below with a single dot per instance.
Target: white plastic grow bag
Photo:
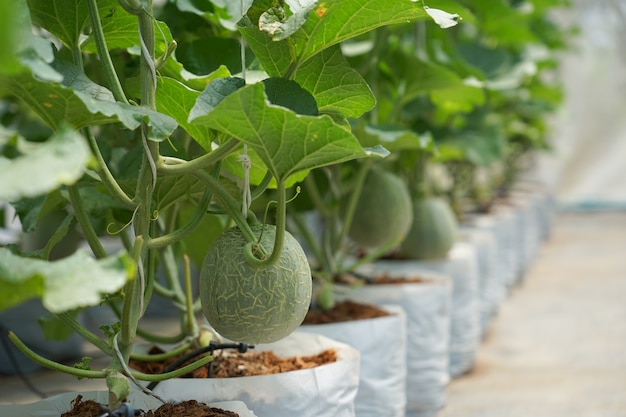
(58, 404)
(509, 242)
(490, 291)
(381, 342)
(461, 266)
(427, 306)
(324, 391)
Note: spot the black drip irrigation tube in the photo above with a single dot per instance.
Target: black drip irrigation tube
(241, 348)
(125, 410)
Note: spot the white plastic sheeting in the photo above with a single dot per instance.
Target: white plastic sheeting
(323, 391)
(427, 305)
(381, 342)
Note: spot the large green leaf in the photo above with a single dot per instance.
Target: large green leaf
(59, 161)
(176, 100)
(333, 22)
(286, 142)
(81, 102)
(73, 282)
(337, 88)
(63, 18)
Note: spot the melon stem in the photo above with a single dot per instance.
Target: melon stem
(281, 219)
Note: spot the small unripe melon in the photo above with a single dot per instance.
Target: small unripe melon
(383, 213)
(251, 303)
(433, 231)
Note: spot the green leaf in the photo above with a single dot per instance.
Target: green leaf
(59, 161)
(232, 165)
(395, 139)
(422, 77)
(54, 328)
(171, 189)
(31, 210)
(177, 100)
(289, 94)
(339, 20)
(278, 25)
(13, 20)
(121, 30)
(275, 56)
(286, 142)
(73, 282)
(81, 102)
(205, 55)
(459, 99)
(63, 18)
(337, 88)
(197, 243)
(213, 94)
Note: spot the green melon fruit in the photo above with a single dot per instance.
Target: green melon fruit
(433, 231)
(251, 303)
(383, 213)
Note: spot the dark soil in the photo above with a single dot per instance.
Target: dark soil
(344, 311)
(190, 408)
(227, 364)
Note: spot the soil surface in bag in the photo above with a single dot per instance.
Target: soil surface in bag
(189, 408)
(344, 311)
(229, 363)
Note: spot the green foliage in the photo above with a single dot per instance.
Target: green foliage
(73, 282)
(134, 125)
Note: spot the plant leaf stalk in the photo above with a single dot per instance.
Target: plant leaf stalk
(103, 53)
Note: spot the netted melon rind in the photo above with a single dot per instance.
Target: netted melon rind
(251, 304)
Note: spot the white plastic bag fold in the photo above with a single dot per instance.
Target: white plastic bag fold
(381, 342)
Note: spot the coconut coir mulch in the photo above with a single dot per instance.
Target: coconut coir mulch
(344, 311)
(229, 364)
(190, 408)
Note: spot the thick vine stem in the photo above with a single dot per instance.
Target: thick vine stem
(281, 220)
(136, 289)
(131, 310)
(131, 6)
(80, 373)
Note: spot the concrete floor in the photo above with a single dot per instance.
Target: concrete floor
(557, 348)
